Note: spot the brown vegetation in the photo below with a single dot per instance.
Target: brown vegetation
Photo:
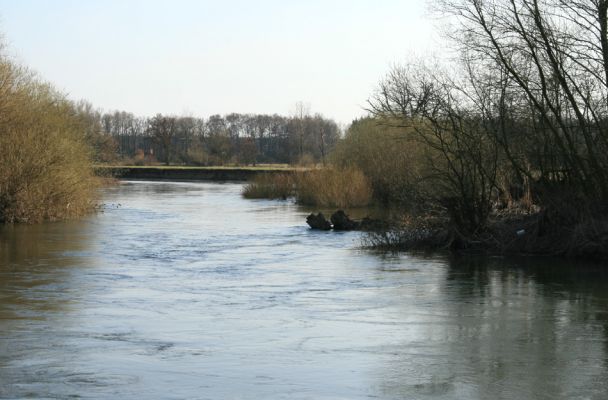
(333, 187)
(392, 160)
(270, 186)
(323, 187)
(45, 160)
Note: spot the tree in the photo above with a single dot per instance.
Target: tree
(325, 134)
(302, 111)
(429, 104)
(552, 59)
(525, 103)
(163, 130)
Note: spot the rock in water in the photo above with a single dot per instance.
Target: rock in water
(342, 222)
(318, 222)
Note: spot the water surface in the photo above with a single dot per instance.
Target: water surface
(187, 291)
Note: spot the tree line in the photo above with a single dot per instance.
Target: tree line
(244, 139)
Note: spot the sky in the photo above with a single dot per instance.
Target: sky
(198, 58)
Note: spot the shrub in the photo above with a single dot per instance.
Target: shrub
(333, 187)
(394, 163)
(45, 162)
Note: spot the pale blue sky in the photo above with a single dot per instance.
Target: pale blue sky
(207, 57)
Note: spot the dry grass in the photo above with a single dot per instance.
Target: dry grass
(333, 187)
(325, 187)
(270, 186)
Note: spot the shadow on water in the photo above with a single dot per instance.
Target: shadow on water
(37, 291)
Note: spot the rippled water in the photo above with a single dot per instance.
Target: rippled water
(187, 291)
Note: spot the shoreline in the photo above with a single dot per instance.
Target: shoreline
(529, 235)
(179, 173)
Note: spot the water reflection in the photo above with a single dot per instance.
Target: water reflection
(513, 329)
(35, 263)
(185, 290)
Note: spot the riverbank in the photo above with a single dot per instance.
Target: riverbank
(543, 233)
(183, 173)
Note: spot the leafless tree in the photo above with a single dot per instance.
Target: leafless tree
(302, 110)
(163, 130)
(549, 60)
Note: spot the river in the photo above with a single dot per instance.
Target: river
(188, 291)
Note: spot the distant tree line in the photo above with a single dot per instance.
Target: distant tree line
(245, 139)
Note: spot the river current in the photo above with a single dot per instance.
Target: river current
(188, 291)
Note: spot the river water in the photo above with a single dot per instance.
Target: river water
(188, 291)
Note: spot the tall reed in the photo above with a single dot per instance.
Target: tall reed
(333, 187)
(270, 186)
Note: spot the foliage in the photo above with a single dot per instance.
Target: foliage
(391, 158)
(45, 168)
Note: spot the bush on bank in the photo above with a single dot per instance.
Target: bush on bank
(390, 158)
(45, 160)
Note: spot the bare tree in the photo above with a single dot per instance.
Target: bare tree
(163, 130)
(433, 107)
(302, 111)
(552, 62)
